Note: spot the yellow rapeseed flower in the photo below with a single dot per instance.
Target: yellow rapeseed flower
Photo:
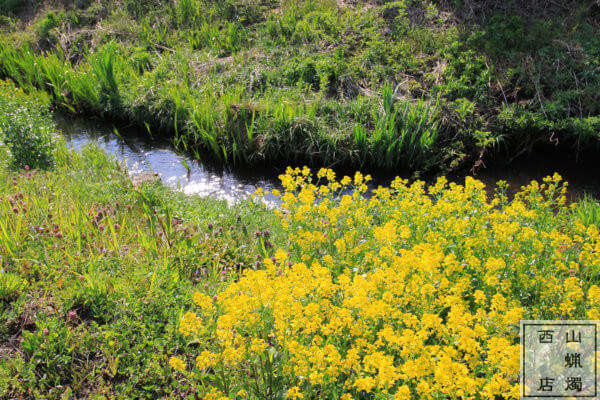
(176, 363)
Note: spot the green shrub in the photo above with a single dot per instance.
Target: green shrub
(90, 296)
(47, 24)
(141, 60)
(303, 71)
(26, 128)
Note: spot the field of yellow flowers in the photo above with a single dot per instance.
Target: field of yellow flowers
(415, 292)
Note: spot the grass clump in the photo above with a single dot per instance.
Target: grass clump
(404, 136)
(588, 211)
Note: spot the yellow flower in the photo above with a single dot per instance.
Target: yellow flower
(403, 393)
(414, 291)
(190, 324)
(594, 295)
(176, 363)
(367, 384)
(479, 297)
(294, 393)
(203, 301)
(358, 178)
(258, 346)
(206, 360)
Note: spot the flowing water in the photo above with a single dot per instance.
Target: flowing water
(141, 154)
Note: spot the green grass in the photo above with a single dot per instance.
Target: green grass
(588, 211)
(107, 269)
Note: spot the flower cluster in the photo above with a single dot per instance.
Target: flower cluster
(413, 292)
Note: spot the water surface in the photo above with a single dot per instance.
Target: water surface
(140, 153)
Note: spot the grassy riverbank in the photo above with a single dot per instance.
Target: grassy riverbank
(95, 273)
(405, 84)
(115, 291)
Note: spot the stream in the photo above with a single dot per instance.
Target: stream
(142, 154)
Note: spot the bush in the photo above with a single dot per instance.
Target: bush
(26, 128)
(47, 24)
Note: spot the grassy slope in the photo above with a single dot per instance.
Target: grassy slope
(305, 80)
(95, 274)
(110, 298)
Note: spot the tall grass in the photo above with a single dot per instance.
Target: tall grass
(226, 122)
(588, 211)
(186, 12)
(84, 89)
(21, 65)
(104, 64)
(55, 74)
(404, 135)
